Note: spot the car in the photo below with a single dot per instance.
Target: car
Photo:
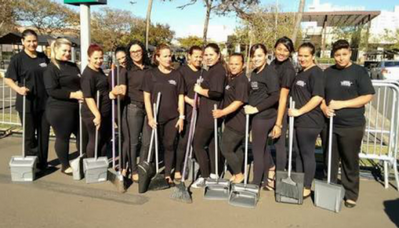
(386, 69)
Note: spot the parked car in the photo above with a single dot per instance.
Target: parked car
(370, 64)
(386, 69)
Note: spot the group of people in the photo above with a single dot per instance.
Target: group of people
(58, 95)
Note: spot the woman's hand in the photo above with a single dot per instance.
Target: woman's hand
(276, 132)
(180, 125)
(198, 89)
(327, 111)
(249, 110)
(294, 112)
(78, 95)
(336, 105)
(218, 113)
(22, 91)
(152, 123)
(190, 101)
(97, 121)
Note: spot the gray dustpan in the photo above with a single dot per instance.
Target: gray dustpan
(96, 169)
(216, 189)
(244, 194)
(115, 176)
(328, 195)
(289, 185)
(23, 168)
(76, 164)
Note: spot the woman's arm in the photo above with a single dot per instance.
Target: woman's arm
(357, 102)
(148, 109)
(91, 104)
(312, 103)
(282, 105)
(180, 122)
(20, 90)
(234, 106)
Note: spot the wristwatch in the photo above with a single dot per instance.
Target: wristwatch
(182, 117)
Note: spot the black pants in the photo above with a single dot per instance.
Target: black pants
(167, 133)
(64, 121)
(305, 159)
(232, 149)
(260, 131)
(182, 146)
(279, 144)
(345, 148)
(37, 131)
(104, 135)
(204, 137)
(134, 127)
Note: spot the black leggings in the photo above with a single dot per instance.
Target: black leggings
(205, 137)
(305, 159)
(260, 131)
(167, 133)
(104, 135)
(64, 121)
(181, 148)
(279, 144)
(232, 149)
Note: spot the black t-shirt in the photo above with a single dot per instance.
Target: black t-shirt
(117, 81)
(263, 84)
(237, 89)
(170, 85)
(23, 67)
(345, 84)
(308, 84)
(60, 82)
(190, 78)
(286, 72)
(134, 79)
(214, 80)
(90, 82)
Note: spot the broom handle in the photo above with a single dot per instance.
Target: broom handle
(80, 131)
(330, 132)
(215, 124)
(23, 120)
(96, 135)
(153, 131)
(246, 149)
(119, 120)
(291, 137)
(156, 139)
(113, 116)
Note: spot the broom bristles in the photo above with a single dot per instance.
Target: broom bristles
(181, 194)
(288, 188)
(158, 183)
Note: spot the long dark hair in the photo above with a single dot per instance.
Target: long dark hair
(129, 60)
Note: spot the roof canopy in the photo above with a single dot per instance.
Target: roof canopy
(15, 38)
(340, 18)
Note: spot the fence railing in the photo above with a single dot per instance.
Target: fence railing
(8, 114)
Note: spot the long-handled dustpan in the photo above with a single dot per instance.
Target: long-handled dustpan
(23, 168)
(244, 194)
(115, 176)
(77, 164)
(146, 170)
(329, 195)
(216, 189)
(158, 182)
(289, 185)
(96, 168)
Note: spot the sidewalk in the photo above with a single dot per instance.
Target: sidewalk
(56, 200)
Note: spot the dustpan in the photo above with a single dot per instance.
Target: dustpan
(244, 194)
(218, 188)
(328, 195)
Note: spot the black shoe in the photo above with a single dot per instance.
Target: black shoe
(349, 204)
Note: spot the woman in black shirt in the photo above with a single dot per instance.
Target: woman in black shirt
(348, 89)
(307, 93)
(236, 95)
(62, 81)
(25, 76)
(211, 93)
(190, 73)
(263, 99)
(134, 120)
(93, 80)
(169, 82)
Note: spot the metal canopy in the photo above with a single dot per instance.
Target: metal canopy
(340, 18)
(15, 38)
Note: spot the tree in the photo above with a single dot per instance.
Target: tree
(148, 22)
(7, 16)
(298, 20)
(46, 16)
(189, 41)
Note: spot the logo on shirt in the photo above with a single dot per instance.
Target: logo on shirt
(172, 82)
(227, 87)
(301, 83)
(43, 64)
(346, 83)
(254, 85)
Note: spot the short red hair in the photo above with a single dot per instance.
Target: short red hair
(93, 48)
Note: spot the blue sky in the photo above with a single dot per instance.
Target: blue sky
(190, 21)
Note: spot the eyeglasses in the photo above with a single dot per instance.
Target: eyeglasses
(135, 52)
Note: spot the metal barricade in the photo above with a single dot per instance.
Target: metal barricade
(8, 115)
(380, 141)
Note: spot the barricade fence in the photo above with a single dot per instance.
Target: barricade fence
(380, 141)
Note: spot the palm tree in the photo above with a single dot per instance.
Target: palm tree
(298, 20)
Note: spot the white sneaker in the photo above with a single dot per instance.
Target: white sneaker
(199, 183)
(213, 176)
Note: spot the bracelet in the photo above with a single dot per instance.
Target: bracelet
(279, 126)
(182, 117)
